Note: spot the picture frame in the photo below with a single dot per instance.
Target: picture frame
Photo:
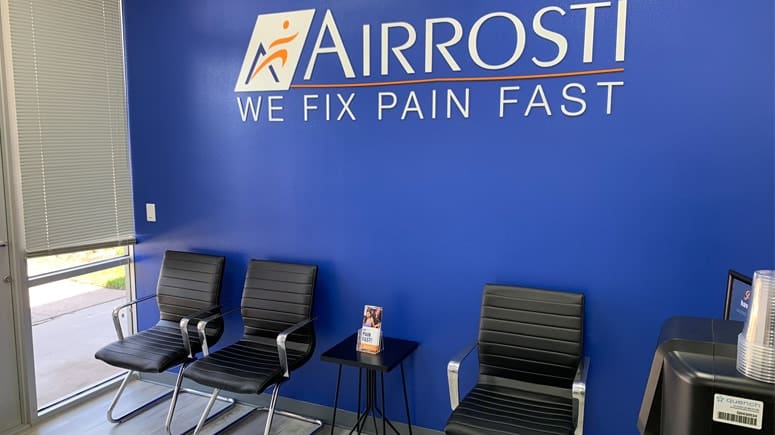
(738, 290)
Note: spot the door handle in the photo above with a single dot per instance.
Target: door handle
(3, 244)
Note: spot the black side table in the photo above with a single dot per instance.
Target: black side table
(393, 354)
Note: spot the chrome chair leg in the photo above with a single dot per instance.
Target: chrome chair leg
(271, 411)
(230, 404)
(174, 401)
(272, 405)
(296, 416)
(228, 428)
(118, 396)
(135, 411)
(203, 418)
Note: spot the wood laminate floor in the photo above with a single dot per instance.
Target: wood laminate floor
(89, 417)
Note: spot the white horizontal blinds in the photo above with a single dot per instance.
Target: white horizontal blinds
(68, 72)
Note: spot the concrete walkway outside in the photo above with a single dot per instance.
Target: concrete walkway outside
(66, 332)
(94, 296)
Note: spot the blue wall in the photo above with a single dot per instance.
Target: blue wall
(643, 210)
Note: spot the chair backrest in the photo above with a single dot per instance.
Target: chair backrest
(531, 335)
(277, 296)
(188, 283)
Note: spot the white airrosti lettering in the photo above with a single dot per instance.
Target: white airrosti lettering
(412, 56)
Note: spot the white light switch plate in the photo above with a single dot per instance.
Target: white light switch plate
(150, 212)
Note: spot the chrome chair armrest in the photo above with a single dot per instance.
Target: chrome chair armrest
(579, 393)
(184, 326)
(117, 310)
(453, 369)
(202, 325)
(282, 350)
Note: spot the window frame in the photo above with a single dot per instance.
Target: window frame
(74, 271)
(79, 396)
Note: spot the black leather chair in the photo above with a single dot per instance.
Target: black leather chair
(532, 376)
(278, 337)
(188, 288)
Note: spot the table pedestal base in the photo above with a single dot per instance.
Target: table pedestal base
(372, 405)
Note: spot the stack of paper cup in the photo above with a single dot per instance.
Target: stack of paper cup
(756, 344)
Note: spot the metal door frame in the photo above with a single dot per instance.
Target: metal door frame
(12, 186)
(9, 147)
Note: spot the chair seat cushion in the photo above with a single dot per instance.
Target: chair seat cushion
(246, 367)
(494, 409)
(152, 350)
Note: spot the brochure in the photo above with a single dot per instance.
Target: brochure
(370, 337)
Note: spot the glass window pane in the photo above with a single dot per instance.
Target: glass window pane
(71, 319)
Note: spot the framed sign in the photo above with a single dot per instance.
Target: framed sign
(738, 296)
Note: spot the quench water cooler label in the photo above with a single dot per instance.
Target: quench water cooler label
(738, 411)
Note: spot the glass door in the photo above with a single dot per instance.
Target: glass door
(10, 404)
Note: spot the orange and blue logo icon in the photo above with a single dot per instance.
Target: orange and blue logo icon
(274, 51)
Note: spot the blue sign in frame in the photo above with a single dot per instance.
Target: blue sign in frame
(738, 296)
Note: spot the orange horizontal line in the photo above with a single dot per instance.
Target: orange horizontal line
(458, 79)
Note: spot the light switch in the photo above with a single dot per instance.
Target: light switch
(150, 212)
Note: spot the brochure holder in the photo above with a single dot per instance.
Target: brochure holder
(370, 335)
(369, 340)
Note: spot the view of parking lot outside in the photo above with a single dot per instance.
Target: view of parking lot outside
(71, 319)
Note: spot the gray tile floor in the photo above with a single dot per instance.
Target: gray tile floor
(89, 417)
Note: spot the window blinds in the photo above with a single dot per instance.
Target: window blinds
(70, 102)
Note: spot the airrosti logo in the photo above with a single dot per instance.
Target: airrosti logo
(274, 51)
(435, 68)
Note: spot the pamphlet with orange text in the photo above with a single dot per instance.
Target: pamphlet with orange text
(370, 337)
